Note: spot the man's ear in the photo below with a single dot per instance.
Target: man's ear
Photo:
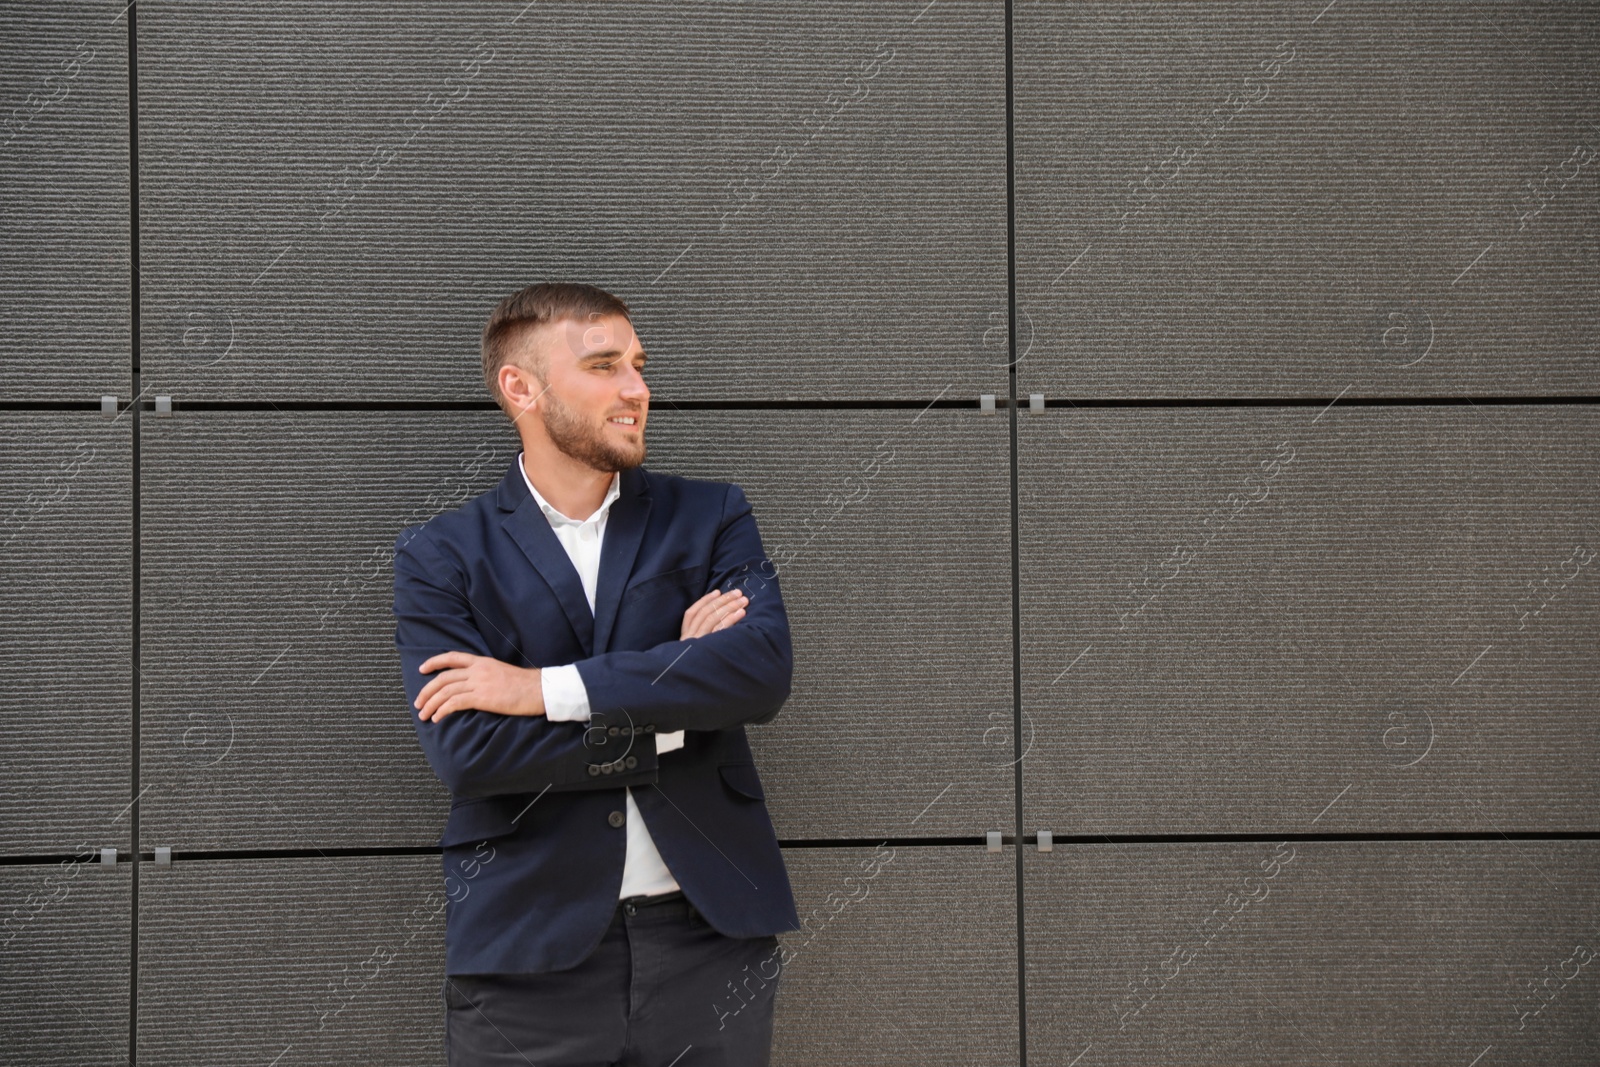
(531, 385)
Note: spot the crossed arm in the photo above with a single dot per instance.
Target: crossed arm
(715, 676)
(468, 681)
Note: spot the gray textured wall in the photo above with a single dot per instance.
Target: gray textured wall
(1265, 637)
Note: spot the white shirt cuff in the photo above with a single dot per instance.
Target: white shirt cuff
(566, 699)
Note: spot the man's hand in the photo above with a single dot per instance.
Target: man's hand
(714, 611)
(480, 682)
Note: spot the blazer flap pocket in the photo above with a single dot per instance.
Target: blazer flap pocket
(743, 778)
(692, 578)
(476, 820)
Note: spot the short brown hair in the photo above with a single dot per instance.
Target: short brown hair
(529, 308)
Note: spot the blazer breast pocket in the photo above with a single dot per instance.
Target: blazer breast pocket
(681, 586)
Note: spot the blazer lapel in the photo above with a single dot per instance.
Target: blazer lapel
(625, 527)
(531, 531)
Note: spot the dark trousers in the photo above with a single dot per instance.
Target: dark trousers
(662, 989)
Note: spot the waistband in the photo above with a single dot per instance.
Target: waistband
(631, 905)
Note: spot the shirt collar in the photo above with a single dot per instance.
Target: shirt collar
(557, 517)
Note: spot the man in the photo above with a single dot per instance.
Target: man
(583, 647)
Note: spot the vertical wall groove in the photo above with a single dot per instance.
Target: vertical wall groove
(1016, 553)
(133, 403)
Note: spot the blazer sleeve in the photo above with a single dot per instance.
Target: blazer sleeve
(480, 753)
(740, 675)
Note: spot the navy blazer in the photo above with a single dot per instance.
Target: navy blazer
(534, 845)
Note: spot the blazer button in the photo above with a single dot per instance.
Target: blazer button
(616, 818)
(631, 762)
(594, 770)
(614, 731)
(650, 728)
(606, 768)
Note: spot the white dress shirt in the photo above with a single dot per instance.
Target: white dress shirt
(566, 699)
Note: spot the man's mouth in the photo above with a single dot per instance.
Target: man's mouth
(624, 420)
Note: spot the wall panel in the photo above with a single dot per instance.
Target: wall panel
(273, 713)
(268, 558)
(292, 961)
(802, 201)
(907, 954)
(66, 546)
(1274, 199)
(64, 202)
(1230, 616)
(1374, 952)
(64, 946)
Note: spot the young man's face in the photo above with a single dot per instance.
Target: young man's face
(594, 377)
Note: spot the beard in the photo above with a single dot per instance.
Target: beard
(588, 444)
